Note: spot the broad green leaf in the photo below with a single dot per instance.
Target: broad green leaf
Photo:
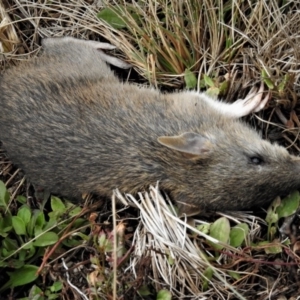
(18, 225)
(213, 92)
(164, 295)
(208, 81)
(190, 79)
(38, 230)
(204, 228)
(51, 222)
(220, 230)
(22, 254)
(238, 234)
(74, 210)
(29, 246)
(22, 276)
(56, 287)
(9, 244)
(25, 214)
(40, 219)
(36, 224)
(289, 205)
(57, 205)
(48, 238)
(112, 18)
(271, 248)
(21, 199)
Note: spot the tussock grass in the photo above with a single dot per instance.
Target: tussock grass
(164, 38)
(228, 46)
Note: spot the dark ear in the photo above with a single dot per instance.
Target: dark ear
(189, 143)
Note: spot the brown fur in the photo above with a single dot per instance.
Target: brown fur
(69, 123)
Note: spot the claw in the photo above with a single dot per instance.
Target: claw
(252, 103)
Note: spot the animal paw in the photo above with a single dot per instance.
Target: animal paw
(109, 59)
(254, 102)
(53, 43)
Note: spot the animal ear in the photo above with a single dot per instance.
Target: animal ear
(191, 144)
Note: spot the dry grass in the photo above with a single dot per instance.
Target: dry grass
(235, 44)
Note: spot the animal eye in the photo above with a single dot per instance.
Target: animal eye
(255, 160)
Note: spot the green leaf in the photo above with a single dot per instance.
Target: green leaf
(40, 218)
(112, 18)
(190, 79)
(104, 242)
(56, 287)
(10, 244)
(208, 81)
(36, 224)
(267, 80)
(224, 87)
(4, 195)
(51, 296)
(74, 210)
(5, 225)
(271, 248)
(204, 228)
(234, 275)
(12, 263)
(57, 205)
(31, 224)
(213, 92)
(289, 205)
(272, 216)
(21, 199)
(282, 85)
(207, 276)
(164, 295)
(228, 42)
(25, 214)
(34, 293)
(144, 291)
(48, 238)
(22, 276)
(220, 230)
(18, 225)
(238, 234)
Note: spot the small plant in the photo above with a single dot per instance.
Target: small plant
(26, 234)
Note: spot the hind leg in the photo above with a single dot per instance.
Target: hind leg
(68, 45)
(254, 102)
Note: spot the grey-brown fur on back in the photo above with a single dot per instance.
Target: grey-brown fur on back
(69, 123)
